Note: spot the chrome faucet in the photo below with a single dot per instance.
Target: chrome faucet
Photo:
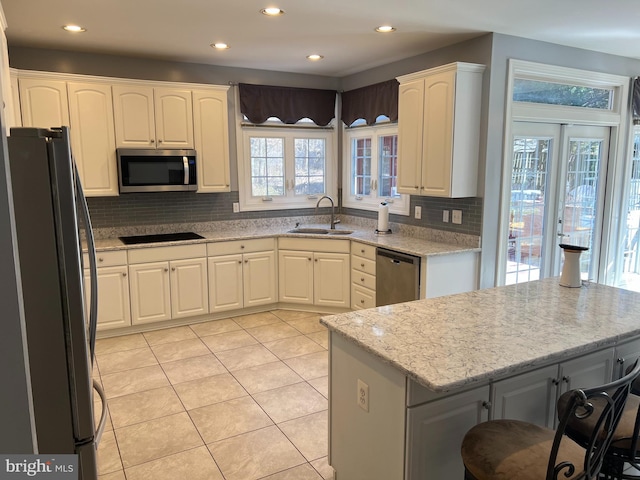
(333, 214)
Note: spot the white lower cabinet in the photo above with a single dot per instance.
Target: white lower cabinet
(168, 282)
(242, 280)
(435, 431)
(314, 272)
(113, 290)
(363, 276)
(625, 356)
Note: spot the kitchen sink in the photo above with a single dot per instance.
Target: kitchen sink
(320, 231)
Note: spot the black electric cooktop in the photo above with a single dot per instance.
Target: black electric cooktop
(161, 237)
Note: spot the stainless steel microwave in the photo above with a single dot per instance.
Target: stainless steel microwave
(152, 170)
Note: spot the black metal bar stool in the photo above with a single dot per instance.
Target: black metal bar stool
(511, 449)
(624, 442)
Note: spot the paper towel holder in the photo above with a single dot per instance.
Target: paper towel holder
(383, 220)
(383, 232)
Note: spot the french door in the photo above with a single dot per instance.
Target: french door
(557, 196)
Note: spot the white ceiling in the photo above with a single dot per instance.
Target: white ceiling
(341, 30)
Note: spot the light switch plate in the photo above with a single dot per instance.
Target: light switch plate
(418, 212)
(236, 207)
(456, 217)
(445, 216)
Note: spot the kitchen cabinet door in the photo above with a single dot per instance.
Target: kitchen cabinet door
(295, 276)
(587, 371)
(43, 103)
(93, 137)
(225, 283)
(625, 356)
(189, 292)
(134, 117)
(530, 397)
(174, 118)
(411, 111)
(15, 120)
(211, 136)
(332, 279)
(150, 292)
(259, 278)
(113, 297)
(435, 431)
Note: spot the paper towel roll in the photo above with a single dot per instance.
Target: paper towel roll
(383, 217)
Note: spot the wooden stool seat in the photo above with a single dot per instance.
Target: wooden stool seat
(511, 449)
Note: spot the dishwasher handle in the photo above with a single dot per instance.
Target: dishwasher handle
(397, 257)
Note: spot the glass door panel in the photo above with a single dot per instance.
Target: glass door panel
(581, 201)
(534, 155)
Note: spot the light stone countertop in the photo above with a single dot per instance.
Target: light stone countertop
(395, 241)
(447, 343)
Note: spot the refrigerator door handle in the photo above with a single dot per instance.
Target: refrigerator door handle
(93, 270)
(103, 415)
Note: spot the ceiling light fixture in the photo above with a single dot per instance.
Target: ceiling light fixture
(385, 29)
(74, 28)
(272, 11)
(314, 57)
(220, 46)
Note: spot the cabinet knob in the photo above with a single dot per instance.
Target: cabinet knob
(227, 185)
(362, 251)
(620, 361)
(166, 269)
(173, 269)
(362, 279)
(240, 262)
(241, 247)
(555, 381)
(152, 140)
(159, 141)
(316, 259)
(486, 405)
(124, 274)
(362, 265)
(246, 261)
(417, 187)
(309, 259)
(362, 301)
(566, 379)
(100, 259)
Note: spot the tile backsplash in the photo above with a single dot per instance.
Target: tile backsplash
(145, 209)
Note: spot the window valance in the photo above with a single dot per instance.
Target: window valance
(370, 102)
(289, 104)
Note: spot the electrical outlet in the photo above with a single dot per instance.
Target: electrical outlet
(456, 217)
(418, 212)
(363, 395)
(445, 216)
(236, 207)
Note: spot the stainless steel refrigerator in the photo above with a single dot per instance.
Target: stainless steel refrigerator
(48, 203)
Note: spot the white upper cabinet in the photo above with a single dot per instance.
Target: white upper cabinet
(174, 118)
(439, 131)
(93, 138)
(147, 117)
(211, 135)
(43, 102)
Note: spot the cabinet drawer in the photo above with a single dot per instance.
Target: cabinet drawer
(362, 297)
(240, 246)
(363, 250)
(364, 265)
(162, 254)
(363, 279)
(107, 259)
(315, 244)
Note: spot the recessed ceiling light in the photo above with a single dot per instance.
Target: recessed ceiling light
(272, 11)
(385, 29)
(220, 46)
(314, 57)
(74, 28)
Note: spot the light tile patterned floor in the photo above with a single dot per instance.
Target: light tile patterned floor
(237, 399)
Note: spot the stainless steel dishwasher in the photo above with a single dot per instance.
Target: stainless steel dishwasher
(397, 277)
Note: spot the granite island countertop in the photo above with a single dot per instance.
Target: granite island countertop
(448, 343)
(395, 241)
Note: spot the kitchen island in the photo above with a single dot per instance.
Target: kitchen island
(408, 380)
